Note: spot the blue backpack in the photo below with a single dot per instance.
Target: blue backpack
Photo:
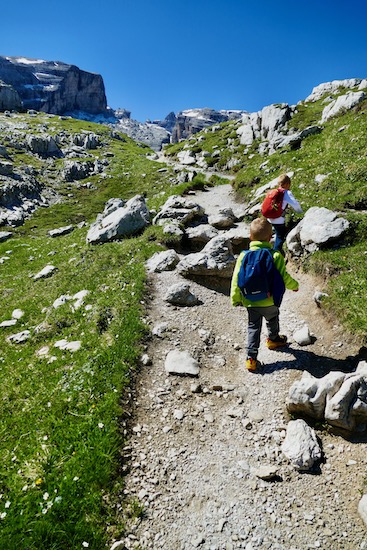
(258, 278)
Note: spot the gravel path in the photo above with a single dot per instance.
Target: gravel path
(198, 443)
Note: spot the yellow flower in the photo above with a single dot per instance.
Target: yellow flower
(39, 481)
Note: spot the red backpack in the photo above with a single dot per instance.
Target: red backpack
(272, 205)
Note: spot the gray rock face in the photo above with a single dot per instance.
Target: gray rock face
(124, 221)
(342, 104)
(53, 87)
(300, 445)
(319, 227)
(332, 87)
(338, 398)
(9, 98)
(215, 260)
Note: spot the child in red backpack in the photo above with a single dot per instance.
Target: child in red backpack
(260, 235)
(278, 224)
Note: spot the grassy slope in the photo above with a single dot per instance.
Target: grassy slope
(61, 419)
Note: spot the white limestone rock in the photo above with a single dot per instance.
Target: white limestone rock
(301, 446)
(181, 362)
(302, 336)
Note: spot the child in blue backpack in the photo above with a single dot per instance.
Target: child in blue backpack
(260, 236)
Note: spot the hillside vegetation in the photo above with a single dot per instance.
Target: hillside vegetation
(63, 413)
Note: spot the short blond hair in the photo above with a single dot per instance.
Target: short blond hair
(283, 180)
(260, 230)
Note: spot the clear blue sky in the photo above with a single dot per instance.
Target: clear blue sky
(170, 55)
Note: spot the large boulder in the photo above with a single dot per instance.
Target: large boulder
(215, 260)
(319, 228)
(121, 222)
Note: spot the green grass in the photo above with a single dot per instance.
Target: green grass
(62, 420)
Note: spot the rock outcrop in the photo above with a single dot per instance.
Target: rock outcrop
(9, 98)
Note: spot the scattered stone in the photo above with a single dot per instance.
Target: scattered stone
(160, 329)
(145, 360)
(20, 337)
(61, 231)
(8, 323)
(196, 388)
(46, 272)
(17, 314)
(180, 295)
(339, 398)
(118, 545)
(266, 472)
(319, 296)
(178, 414)
(163, 261)
(68, 346)
(302, 336)
(362, 508)
(123, 221)
(181, 362)
(5, 235)
(216, 260)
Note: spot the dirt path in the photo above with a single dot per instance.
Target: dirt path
(197, 444)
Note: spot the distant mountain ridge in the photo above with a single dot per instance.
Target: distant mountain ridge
(53, 86)
(60, 88)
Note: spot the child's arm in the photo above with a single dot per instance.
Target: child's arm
(236, 295)
(293, 202)
(290, 283)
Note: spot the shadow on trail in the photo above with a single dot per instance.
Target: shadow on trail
(317, 365)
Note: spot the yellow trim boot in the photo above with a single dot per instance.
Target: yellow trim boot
(252, 364)
(278, 342)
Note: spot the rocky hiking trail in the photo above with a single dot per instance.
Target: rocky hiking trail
(200, 445)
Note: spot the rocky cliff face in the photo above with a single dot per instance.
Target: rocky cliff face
(52, 86)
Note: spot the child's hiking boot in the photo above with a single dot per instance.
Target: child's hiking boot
(252, 364)
(278, 342)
